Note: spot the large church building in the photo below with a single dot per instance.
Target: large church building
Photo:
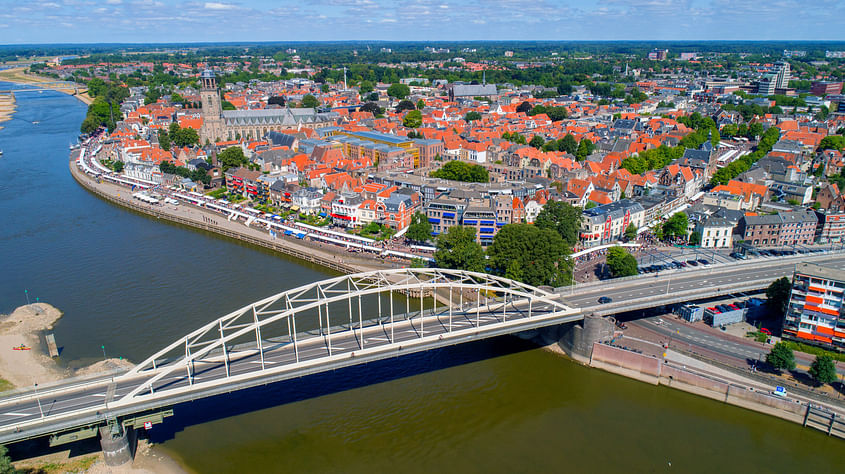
(219, 125)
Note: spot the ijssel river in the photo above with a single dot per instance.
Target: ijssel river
(133, 284)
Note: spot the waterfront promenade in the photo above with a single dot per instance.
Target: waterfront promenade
(326, 255)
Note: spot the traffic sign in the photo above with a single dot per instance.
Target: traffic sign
(148, 425)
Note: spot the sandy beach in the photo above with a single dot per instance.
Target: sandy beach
(7, 107)
(23, 368)
(18, 75)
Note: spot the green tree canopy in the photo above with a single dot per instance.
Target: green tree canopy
(781, 357)
(310, 102)
(371, 107)
(823, 369)
(620, 262)
(537, 142)
(585, 148)
(530, 254)
(778, 294)
(232, 157)
(462, 171)
(399, 91)
(472, 116)
(631, 232)
(405, 105)
(419, 229)
(164, 140)
(563, 218)
(567, 144)
(413, 119)
(676, 226)
(524, 107)
(458, 250)
(420, 104)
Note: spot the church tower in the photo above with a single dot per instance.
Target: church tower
(212, 109)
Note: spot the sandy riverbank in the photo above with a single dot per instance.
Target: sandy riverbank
(7, 108)
(23, 368)
(18, 75)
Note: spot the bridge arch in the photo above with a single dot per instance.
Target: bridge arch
(262, 339)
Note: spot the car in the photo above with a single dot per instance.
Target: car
(692, 263)
(704, 261)
(605, 300)
(766, 331)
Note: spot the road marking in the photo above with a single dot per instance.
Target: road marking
(11, 413)
(379, 338)
(98, 395)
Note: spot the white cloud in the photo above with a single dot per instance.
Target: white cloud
(114, 2)
(218, 6)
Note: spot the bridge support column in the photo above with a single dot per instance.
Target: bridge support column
(578, 339)
(118, 448)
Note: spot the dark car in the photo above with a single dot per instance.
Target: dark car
(692, 263)
(704, 261)
(605, 299)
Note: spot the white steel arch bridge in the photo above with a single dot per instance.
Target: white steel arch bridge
(349, 319)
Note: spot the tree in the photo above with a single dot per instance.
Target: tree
(620, 262)
(405, 105)
(567, 144)
(365, 87)
(226, 105)
(6, 466)
(420, 229)
(458, 250)
(556, 114)
(631, 232)
(398, 91)
(524, 107)
(777, 294)
(530, 254)
(310, 102)
(823, 369)
(187, 137)
(164, 140)
(472, 116)
(413, 119)
(781, 357)
(537, 142)
(324, 88)
(371, 107)
(420, 104)
(277, 100)
(695, 238)
(462, 171)
(585, 148)
(676, 226)
(562, 217)
(232, 157)
(832, 142)
(118, 166)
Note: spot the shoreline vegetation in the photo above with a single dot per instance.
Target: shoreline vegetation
(18, 75)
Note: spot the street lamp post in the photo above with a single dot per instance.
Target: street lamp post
(41, 410)
(104, 351)
(27, 296)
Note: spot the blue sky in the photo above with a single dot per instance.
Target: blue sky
(142, 21)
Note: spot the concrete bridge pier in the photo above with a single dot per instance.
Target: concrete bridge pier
(577, 339)
(118, 444)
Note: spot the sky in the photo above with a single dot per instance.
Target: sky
(163, 21)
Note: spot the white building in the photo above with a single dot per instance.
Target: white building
(715, 232)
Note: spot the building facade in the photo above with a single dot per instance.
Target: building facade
(815, 312)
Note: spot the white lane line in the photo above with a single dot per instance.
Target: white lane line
(265, 361)
(379, 338)
(103, 395)
(12, 413)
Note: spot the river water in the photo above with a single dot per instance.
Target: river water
(134, 284)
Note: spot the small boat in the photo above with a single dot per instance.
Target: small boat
(22, 347)
(35, 122)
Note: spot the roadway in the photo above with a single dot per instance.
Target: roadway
(728, 278)
(95, 399)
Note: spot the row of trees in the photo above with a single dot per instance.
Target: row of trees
(822, 370)
(652, 159)
(741, 165)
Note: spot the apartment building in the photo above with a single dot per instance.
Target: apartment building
(815, 312)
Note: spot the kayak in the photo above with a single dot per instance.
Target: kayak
(21, 348)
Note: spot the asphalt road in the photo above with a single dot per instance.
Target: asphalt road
(718, 276)
(277, 352)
